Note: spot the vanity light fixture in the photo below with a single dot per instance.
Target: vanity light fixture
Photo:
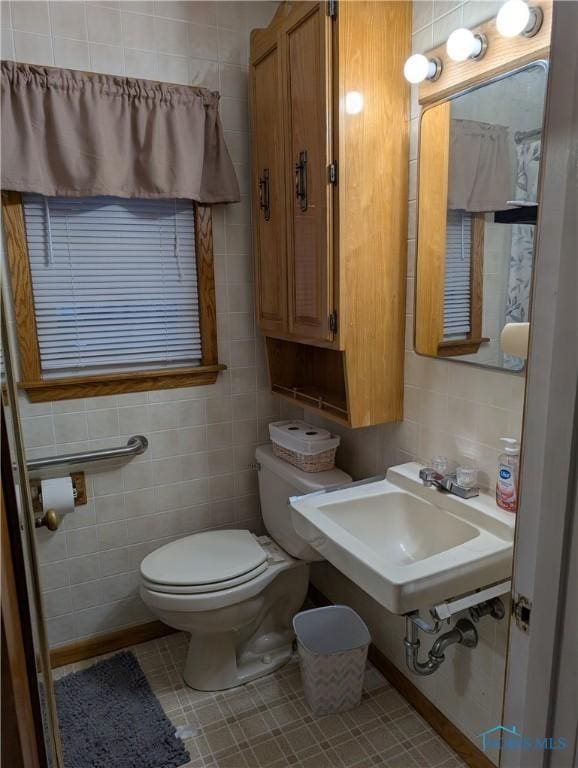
(518, 18)
(463, 44)
(419, 68)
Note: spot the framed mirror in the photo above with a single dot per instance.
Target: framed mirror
(479, 160)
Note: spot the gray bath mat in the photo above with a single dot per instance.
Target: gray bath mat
(110, 718)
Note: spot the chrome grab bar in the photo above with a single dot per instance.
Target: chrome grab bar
(136, 444)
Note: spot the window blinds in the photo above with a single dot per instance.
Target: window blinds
(457, 287)
(114, 282)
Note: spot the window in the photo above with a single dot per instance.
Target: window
(114, 283)
(111, 295)
(463, 283)
(457, 294)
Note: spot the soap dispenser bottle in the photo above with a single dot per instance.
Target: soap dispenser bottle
(507, 480)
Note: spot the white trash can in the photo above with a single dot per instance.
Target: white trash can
(333, 643)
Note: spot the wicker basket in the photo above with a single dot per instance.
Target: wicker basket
(311, 449)
(319, 462)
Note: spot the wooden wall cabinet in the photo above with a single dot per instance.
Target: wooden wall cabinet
(269, 193)
(329, 195)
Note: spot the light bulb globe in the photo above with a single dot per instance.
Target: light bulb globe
(416, 68)
(513, 18)
(462, 44)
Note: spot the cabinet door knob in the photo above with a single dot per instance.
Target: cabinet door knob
(301, 180)
(264, 194)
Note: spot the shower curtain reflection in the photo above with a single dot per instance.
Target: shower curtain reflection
(528, 149)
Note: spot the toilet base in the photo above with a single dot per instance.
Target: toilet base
(254, 640)
(239, 634)
(212, 664)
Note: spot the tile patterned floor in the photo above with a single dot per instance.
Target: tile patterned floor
(266, 724)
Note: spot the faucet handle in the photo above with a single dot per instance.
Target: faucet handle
(429, 476)
(452, 486)
(447, 483)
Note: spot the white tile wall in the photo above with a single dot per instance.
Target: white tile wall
(196, 472)
(450, 408)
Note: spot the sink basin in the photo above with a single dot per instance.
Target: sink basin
(408, 546)
(402, 528)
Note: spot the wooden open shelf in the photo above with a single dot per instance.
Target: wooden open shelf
(313, 377)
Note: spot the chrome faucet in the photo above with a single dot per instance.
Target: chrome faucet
(446, 483)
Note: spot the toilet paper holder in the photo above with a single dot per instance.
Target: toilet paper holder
(79, 490)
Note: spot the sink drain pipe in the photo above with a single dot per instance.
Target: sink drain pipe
(464, 633)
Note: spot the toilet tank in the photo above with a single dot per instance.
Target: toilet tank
(279, 480)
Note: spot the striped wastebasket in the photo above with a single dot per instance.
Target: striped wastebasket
(333, 643)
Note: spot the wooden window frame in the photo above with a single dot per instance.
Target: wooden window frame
(41, 389)
(470, 343)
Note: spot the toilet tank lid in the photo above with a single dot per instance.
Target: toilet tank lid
(306, 482)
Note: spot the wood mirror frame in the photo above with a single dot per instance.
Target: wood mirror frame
(503, 55)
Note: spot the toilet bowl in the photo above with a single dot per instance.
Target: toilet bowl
(236, 593)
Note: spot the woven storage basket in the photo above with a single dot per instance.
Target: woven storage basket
(319, 462)
(309, 448)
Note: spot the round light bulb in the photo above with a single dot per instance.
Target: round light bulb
(417, 68)
(463, 44)
(513, 18)
(353, 102)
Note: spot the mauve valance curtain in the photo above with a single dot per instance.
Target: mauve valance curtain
(481, 172)
(70, 134)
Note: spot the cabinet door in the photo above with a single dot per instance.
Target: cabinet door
(269, 215)
(306, 41)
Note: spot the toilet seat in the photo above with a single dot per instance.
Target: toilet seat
(204, 562)
(220, 594)
(193, 602)
(197, 589)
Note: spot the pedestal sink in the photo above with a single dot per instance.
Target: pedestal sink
(407, 545)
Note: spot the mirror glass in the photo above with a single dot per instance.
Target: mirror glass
(480, 158)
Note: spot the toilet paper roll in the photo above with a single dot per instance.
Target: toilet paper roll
(514, 339)
(58, 494)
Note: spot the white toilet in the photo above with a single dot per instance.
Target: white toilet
(237, 593)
